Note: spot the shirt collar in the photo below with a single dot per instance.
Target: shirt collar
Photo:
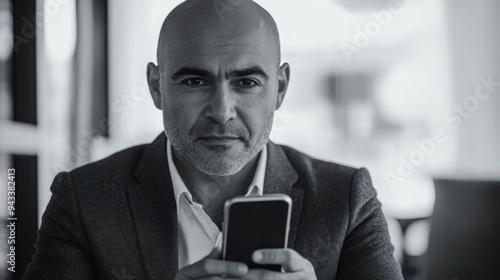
(256, 186)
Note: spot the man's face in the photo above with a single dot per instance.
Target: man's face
(219, 92)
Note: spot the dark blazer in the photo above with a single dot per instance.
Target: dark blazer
(116, 218)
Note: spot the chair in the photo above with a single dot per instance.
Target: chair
(464, 240)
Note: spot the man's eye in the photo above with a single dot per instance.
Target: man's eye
(195, 82)
(246, 83)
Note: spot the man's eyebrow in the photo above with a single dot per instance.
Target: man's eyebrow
(253, 70)
(185, 71)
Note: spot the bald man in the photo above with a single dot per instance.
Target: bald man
(155, 211)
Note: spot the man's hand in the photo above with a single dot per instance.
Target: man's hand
(211, 267)
(295, 266)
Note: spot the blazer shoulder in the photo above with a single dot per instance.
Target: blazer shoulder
(329, 181)
(117, 167)
(317, 168)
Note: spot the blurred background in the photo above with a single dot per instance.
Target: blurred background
(409, 89)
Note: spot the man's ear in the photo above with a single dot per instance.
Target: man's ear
(154, 83)
(283, 78)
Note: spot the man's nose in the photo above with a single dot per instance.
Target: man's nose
(221, 106)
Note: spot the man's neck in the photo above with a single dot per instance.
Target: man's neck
(212, 191)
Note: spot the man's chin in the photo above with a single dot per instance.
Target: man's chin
(218, 168)
(221, 160)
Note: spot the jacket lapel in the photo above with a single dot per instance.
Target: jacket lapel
(153, 210)
(281, 177)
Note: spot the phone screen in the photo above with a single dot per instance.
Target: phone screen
(256, 225)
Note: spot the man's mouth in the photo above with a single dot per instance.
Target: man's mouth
(220, 139)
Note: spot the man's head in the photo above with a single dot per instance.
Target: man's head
(218, 82)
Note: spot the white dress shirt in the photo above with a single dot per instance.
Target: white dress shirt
(197, 233)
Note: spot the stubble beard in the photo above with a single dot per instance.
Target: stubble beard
(217, 164)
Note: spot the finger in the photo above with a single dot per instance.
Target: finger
(288, 258)
(220, 278)
(211, 267)
(263, 274)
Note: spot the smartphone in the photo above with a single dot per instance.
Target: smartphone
(255, 222)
